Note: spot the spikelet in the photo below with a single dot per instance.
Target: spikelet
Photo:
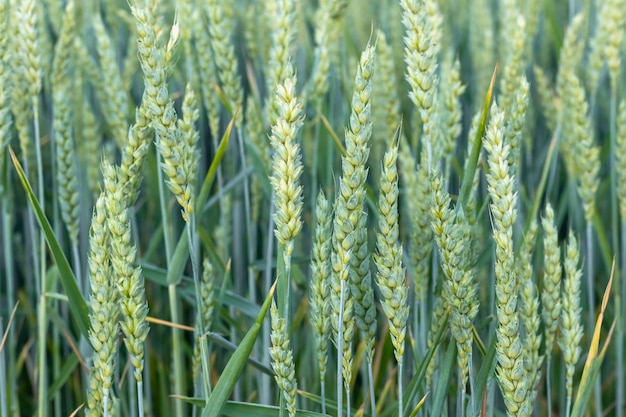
(319, 291)
(220, 27)
(180, 156)
(390, 277)
(66, 158)
(515, 125)
(287, 163)
(422, 42)
(529, 313)
(350, 206)
(513, 60)
(509, 368)
(605, 44)
(89, 151)
(26, 68)
(207, 304)
(278, 67)
(208, 74)
(571, 327)
(451, 90)
(104, 324)
(417, 191)
(114, 101)
(551, 295)
(546, 97)
(386, 107)
(5, 110)
(130, 283)
(328, 17)
(452, 234)
(282, 360)
(586, 155)
(482, 48)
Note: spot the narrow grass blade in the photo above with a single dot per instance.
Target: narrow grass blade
(78, 306)
(217, 160)
(67, 370)
(487, 368)
(595, 356)
(230, 375)
(238, 409)
(443, 377)
(468, 177)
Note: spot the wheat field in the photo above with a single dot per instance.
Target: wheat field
(312, 208)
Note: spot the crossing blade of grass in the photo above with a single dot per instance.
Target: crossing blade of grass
(486, 369)
(230, 375)
(444, 374)
(594, 357)
(69, 366)
(237, 409)
(78, 306)
(468, 177)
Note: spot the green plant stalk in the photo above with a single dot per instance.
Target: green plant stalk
(620, 285)
(264, 391)
(42, 313)
(171, 290)
(340, 351)
(400, 393)
(3, 379)
(370, 377)
(549, 385)
(5, 192)
(192, 238)
(41, 349)
(283, 285)
(589, 264)
(206, 366)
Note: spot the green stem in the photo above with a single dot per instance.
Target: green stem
(42, 368)
(282, 287)
(548, 386)
(340, 350)
(140, 398)
(42, 314)
(10, 280)
(370, 377)
(619, 291)
(400, 394)
(171, 290)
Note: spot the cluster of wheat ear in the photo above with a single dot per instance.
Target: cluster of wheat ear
(272, 208)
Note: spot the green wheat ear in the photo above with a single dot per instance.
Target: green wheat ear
(282, 360)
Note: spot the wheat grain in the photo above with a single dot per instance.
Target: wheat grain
(571, 327)
(115, 102)
(221, 27)
(287, 163)
(319, 289)
(282, 360)
(278, 66)
(452, 234)
(509, 368)
(103, 303)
